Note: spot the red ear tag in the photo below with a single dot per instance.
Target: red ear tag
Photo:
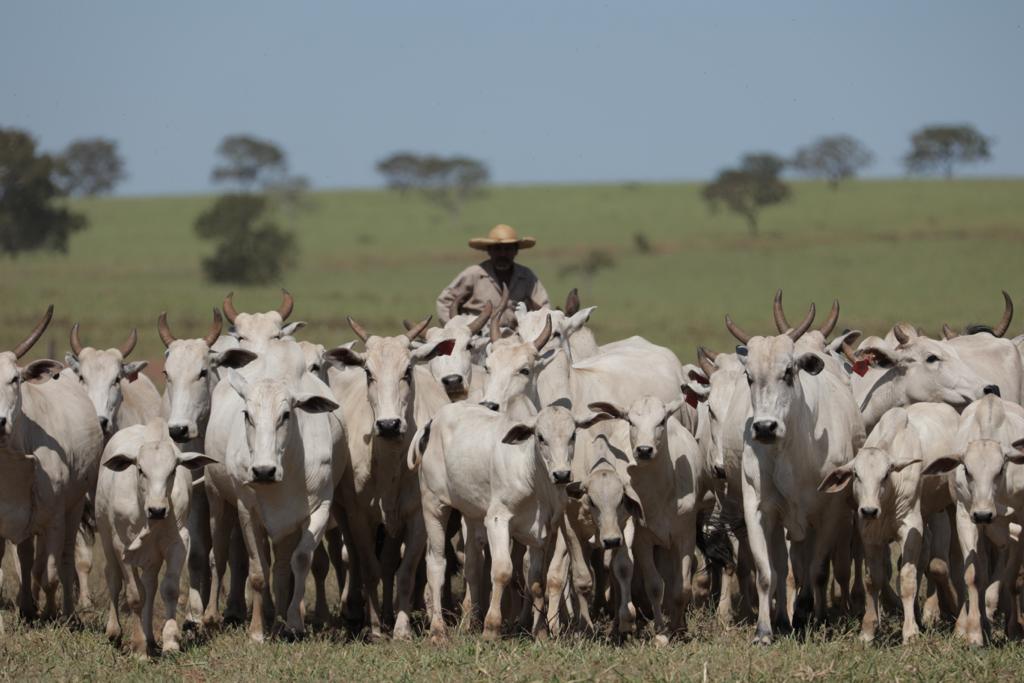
(861, 366)
(691, 398)
(445, 348)
(131, 377)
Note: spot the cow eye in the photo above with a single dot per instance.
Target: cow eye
(369, 375)
(247, 416)
(408, 374)
(525, 372)
(285, 416)
(750, 379)
(572, 439)
(541, 439)
(202, 373)
(932, 359)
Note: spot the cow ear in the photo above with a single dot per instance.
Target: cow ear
(1015, 458)
(238, 382)
(606, 407)
(131, 370)
(671, 408)
(1018, 444)
(71, 360)
(291, 328)
(879, 356)
(41, 370)
(836, 480)
(194, 461)
(898, 466)
(233, 358)
(592, 419)
(575, 489)
(577, 320)
(431, 350)
(631, 501)
(518, 434)
(946, 463)
(810, 363)
(344, 355)
(119, 462)
(315, 403)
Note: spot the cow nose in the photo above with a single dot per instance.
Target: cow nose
(104, 424)
(264, 473)
(869, 513)
(610, 543)
(451, 381)
(388, 427)
(490, 405)
(764, 430)
(719, 471)
(560, 476)
(178, 432)
(3, 424)
(156, 513)
(644, 452)
(982, 517)
(991, 389)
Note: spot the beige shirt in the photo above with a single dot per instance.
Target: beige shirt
(478, 284)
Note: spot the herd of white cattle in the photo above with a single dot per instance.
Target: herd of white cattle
(583, 477)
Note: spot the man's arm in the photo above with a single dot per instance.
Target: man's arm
(460, 288)
(539, 296)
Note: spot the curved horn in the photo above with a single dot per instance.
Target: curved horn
(503, 301)
(287, 304)
(495, 327)
(830, 322)
(901, 336)
(481, 320)
(76, 342)
(849, 352)
(357, 328)
(545, 334)
(164, 329)
(1004, 324)
(742, 336)
(229, 308)
(804, 326)
(215, 327)
(409, 325)
(129, 343)
(453, 310)
(948, 332)
(33, 336)
(418, 330)
(706, 360)
(572, 302)
(781, 324)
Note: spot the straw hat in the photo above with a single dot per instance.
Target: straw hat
(502, 234)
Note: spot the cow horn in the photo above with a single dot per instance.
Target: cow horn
(287, 304)
(848, 351)
(357, 328)
(781, 324)
(33, 336)
(830, 322)
(948, 332)
(545, 334)
(1004, 324)
(229, 308)
(215, 327)
(742, 336)
(901, 335)
(129, 343)
(495, 327)
(503, 301)
(409, 325)
(418, 330)
(453, 310)
(706, 361)
(572, 302)
(76, 342)
(164, 329)
(481, 320)
(804, 326)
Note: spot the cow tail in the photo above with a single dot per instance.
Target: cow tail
(419, 446)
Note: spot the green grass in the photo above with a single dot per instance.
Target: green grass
(928, 251)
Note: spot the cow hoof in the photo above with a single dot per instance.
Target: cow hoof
(660, 640)
(491, 634)
(171, 648)
(910, 637)
(439, 639)
(867, 638)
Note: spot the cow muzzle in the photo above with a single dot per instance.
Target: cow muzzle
(389, 428)
(766, 431)
(179, 432)
(264, 474)
(105, 425)
(560, 476)
(644, 452)
(153, 512)
(869, 512)
(982, 516)
(611, 543)
(991, 389)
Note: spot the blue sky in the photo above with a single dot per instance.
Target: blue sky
(564, 91)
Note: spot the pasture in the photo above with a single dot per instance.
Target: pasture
(926, 251)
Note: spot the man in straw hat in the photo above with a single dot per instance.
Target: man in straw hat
(481, 283)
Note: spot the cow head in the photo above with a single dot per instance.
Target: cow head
(189, 367)
(254, 330)
(102, 373)
(156, 458)
(554, 429)
(388, 363)
(530, 324)
(511, 364)
(646, 417)
(772, 368)
(269, 419)
(12, 375)
(609, 501)
(315, 356)
(726, 376)
(453, 370)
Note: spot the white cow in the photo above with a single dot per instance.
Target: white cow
(456, 372)
(254, 330)
(142, 510)
(50, 444)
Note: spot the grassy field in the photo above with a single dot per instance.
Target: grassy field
(924, 251)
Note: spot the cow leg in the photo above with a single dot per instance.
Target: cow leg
(842, 561)
(301, 558)
(557, 576)
(857, 590)
(939, 572)
(199, 574)
(115, 578)
(499, 541)
(259, 573)
(821, 548)
(970, 622)
(238, 563)
(365, 549)
(390, 558)
(68, 577)
(435, 517)
(654, 585)
(910, 536)
(472, 607)
(405, 578)
(135, 595)
(175, 559)
(336, 553)
(583, 581)
(149, 579)
(281, 580)
(220, 534)
(875, 556)
(622, 570)
(48, 568)
(320, 567)
(85, 537)
(1010, 572)
(998, 539)
(539, 559)
(686, 559)
(760, 526)
(351, 594)
(26, 596)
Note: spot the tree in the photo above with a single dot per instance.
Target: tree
(249, 162)
(941, 147)
(29, 216)
(252, 249)
(749, 188)
(448, 182)
(834, 158)
(90, 167)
